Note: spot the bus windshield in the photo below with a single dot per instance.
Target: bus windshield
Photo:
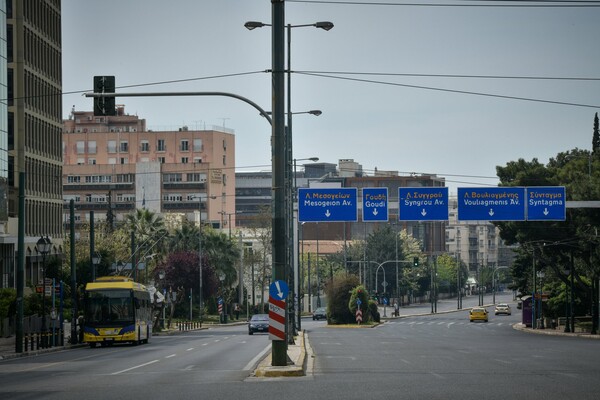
(109, 307)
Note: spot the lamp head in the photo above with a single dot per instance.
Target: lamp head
(255, 24)
(326, 25)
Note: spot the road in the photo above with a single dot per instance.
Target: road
(439, 356)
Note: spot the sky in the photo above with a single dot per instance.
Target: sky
(445, 88)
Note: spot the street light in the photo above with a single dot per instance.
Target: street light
(43, 247)
(95, 261)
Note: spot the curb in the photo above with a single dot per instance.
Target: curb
(296, 364)
(550, 332)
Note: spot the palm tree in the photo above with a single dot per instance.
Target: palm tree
(148, 229)
(185, 238)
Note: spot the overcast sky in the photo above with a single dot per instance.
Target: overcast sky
(419, 120)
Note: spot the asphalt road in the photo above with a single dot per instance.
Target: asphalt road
(439, 356)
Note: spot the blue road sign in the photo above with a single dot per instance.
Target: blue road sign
(423, 204)
(220, 301)
(327, 204)
(546, 203)
(375, 204)
(358, 302)
(491, 204)
(279, 290)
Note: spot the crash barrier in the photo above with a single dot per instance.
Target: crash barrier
(188, 325)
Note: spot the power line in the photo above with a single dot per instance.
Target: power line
(454, 91)
(468, 3)
(517, 77)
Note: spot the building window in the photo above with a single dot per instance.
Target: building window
(196, 177)
(224, 145)
(224, 159)
(184, 145)
(184, 160)
(92, 161)
(92, 147)
(112, 161)
(197, 144)
(73, 179)
(161, 160)
(172, 197)
(174, 177)
(80, 161)
(144, 146)
(160, 145)
(124, 160)
(111, 146)
(123, 147)
(81, 147)
(197, 160)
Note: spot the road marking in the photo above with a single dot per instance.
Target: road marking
(204, 344)
(502, 361)
(405, 361)
(258, 357)
(450, 324)
(171, 356)
(137, 366)
(190, 349)
(437, 375)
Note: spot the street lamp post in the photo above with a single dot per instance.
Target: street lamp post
(280, 166)
(43, 247)
(96, 259)
(494, 280)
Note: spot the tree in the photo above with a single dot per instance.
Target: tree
(149, 232)
(553, 244)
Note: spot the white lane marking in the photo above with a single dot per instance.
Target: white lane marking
(502, 361)
(259, 356)
(137, 366)
(405, 361)
(171, 356)
(190, 349)
(437, 375)
(450, 324)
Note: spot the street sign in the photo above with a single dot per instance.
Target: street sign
(423, 204)
(279, 290)
(491, 204)
(375, 204)
(327, 204)
(546, 203)
(276, 319)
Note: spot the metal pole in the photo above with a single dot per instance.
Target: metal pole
(200, 312)
(317, 271)
(572, 307)
(73, 273)
(533, 302)
(92, 246)
(309, 288)
(279, 348)
(21, 265)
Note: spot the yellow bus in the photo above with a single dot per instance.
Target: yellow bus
(116, 310)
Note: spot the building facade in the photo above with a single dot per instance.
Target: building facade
(476, 243)
(30, 133)
(114, 165)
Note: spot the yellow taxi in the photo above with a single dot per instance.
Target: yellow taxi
(478, 314)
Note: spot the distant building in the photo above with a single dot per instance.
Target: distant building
(476, 243)
(30, 131)
(114, 165)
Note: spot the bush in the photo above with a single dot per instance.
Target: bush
(359, 293)
(339, 291)
(374, 311)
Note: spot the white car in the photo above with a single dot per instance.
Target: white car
(502, 309)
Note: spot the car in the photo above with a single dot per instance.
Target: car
(502, 308)
(319, 313)
(258, 323)
(478, 314)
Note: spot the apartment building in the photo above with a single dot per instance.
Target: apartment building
(476, 243)
(114, 165)
(30, 132)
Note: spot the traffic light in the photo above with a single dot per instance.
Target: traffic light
(104, 105)
(415, 261)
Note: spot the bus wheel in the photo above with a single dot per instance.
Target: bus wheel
(92, 345)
